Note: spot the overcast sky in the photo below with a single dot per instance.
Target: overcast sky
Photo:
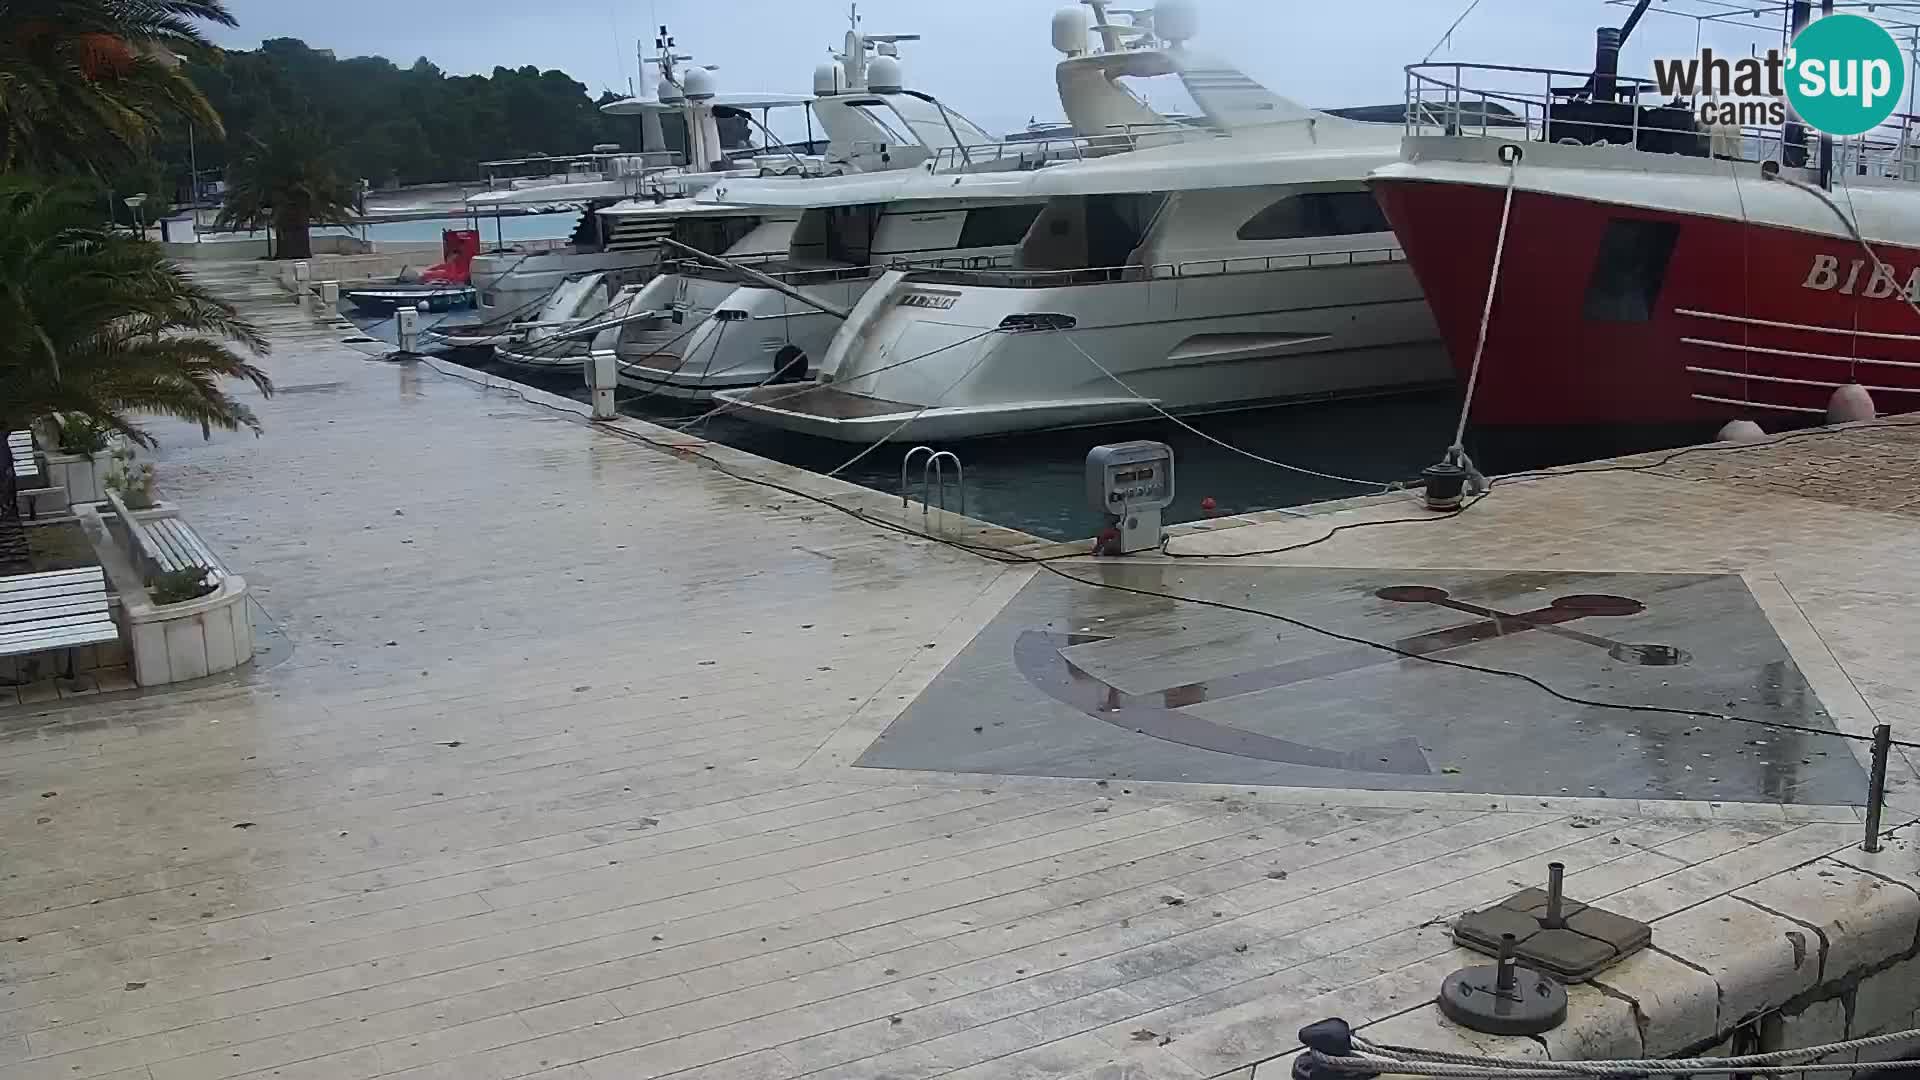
(990, 59)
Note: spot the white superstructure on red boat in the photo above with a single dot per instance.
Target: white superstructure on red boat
(1643, 286)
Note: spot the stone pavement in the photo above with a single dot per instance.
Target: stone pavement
(557, 778)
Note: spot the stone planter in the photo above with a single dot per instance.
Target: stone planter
(190, 640)
(82, 476)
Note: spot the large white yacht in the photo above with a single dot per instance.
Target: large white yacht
(717, 329)
(881, 127)
(1243, 262)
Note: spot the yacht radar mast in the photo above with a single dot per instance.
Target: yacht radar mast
(853, 55)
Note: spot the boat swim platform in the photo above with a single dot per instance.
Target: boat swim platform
(588, 760)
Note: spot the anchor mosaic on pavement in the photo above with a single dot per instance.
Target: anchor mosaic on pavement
(1074, 680)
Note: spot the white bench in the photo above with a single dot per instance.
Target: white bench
(62, 609)
(164, 544)
(29, 482)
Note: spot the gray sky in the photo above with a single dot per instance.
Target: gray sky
(990, 59)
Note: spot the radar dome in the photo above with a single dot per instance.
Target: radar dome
(698, 84)
(829, 79)
(884, 75)
(669, 93)
(1070, 30)
(1176, 21)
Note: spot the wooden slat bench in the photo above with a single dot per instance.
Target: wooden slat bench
(29, 481)
(63, 609)
(164, 544)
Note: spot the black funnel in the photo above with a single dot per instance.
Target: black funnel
(1606, 62)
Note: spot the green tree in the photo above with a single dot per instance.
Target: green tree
(412, 124)
(98, 324)
(288, 181)
(85, 84)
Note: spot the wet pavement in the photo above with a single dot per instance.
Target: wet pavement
(1119, 685)
(556, 773)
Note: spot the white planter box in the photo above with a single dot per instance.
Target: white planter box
(83, 477)
(192, 640)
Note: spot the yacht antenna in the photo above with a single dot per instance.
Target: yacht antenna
(1448, 36)
(1109, 34)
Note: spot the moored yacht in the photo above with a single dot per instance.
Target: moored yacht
(729, 333)
(1241, 262)
(714, 331)
(1656, 271)
(513, 278)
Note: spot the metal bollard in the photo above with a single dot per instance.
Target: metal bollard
(1877, 785)
(1504, 974)
(407, 322)
(1555, 918)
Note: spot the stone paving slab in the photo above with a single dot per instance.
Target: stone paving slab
(558, 780)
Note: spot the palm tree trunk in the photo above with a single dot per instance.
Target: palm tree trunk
(296, 236)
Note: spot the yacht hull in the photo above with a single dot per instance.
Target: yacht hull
(514, 283)
(733, 337)
(945, 356)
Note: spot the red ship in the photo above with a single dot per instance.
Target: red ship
(1655, 271)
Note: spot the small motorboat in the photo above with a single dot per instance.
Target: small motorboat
(386, 299)
(444, 286)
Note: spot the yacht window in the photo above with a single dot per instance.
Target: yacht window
(850, 233)
(997, 226)
(1317, 213)
(1629, 270)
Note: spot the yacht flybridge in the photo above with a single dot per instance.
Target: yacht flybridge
(1240, 261)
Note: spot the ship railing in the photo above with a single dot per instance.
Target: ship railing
(773, 266)
(1028, 153)
(1562, 106)
(1187, 270)
(778, 268)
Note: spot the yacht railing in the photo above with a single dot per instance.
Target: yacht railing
(770, 266)
(777, 268)
(1168, 271)
(1560, 106)
(1027, 153)
(532, 247)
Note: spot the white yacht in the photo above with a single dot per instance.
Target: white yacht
(511, 278)
(661, 203)
(550, 343)
(1244, 264)
(718, 330)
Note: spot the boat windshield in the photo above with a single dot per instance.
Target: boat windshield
(930, 123)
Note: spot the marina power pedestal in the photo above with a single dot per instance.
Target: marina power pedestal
(406, 324)
(1131, 482)
(603, 375)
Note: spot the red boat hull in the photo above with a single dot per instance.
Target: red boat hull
(1669, 318)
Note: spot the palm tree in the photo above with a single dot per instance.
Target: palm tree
(98, 324)
(291, 181)
(85, 83)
